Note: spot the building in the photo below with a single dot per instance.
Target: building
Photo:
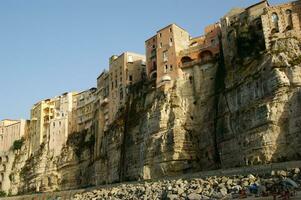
(10, 131)
(282, 21)
(172, 48)
(84, 109)
(202, 49)
(242, 33)
(125, 69)
(247, 31)
(162, 51)
(40, 116)
(103, 92)
(59, 125)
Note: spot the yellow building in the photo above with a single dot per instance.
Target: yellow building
(41, 114)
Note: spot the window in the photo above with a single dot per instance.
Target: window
(165, 56)
(170, 30)
(165, 69)
(53, 124)
(161, 45)
(121, 94)
(170, 41)
(160, 34)
(131, 78)
(170, 68)
(275, 20)
(289, 19)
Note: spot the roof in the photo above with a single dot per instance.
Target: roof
(256, 4)
(171, 25)
(102, 73)
(165, 28)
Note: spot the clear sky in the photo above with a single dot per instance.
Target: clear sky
(53, 46)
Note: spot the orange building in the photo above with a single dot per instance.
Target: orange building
(162, 51)
(173, 48)
(202, 49)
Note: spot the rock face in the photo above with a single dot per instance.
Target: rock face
(157, 136)
(259, 111)
(221, 116)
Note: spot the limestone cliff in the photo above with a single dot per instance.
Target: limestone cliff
(259, 110)
(218, 116)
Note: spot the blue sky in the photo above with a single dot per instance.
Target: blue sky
(52, 46)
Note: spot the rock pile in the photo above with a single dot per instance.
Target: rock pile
(195, 188)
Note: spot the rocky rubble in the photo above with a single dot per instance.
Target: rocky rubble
(195, 188)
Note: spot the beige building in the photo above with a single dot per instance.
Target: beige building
(10, 131)
(84, 109)
(282, 21)
(59, 125)
(103, 92)
(126, 69)
(41, 114)
(162, 52)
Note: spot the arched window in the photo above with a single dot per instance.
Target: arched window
(289, 20)
(206, 56)
(275, 21)
(186, 59)
(193, 44)
(153, 75)
(258, 24)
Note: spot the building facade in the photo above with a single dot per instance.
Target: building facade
(202, 49)
(84, 109)
(281, 21)
(242, 32)
(10, 131)
(40, 116)
(124, 70)
(162, 51)
(103, 95)
(59, 125)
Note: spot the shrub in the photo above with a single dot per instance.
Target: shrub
(18, 144)
(2, 194)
